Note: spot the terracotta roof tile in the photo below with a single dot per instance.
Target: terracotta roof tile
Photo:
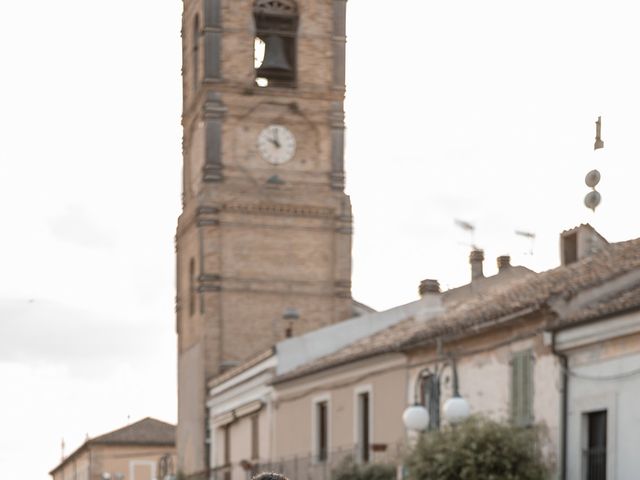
(147, 431)
(527, 292)
(619, 301)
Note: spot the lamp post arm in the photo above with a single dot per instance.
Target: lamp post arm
(456, 385)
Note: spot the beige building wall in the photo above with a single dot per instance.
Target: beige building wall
(383, 377)
(240, 458)
(131, 462)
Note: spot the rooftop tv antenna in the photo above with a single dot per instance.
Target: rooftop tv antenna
(467, 227)
(529, 236)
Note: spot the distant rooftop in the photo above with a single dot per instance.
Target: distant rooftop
(145, 432)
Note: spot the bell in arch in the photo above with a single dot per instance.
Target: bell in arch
(275, 57)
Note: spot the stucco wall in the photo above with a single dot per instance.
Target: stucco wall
(132, 462)
(383, 377)
(484, 373)
(616, 392)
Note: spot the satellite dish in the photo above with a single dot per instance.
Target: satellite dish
(592, 200)
(592, 179)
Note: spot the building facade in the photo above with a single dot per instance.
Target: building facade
(266, 225)
(558, 349)
(601, 347)
(144, 450)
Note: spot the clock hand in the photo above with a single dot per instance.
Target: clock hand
(276, 140)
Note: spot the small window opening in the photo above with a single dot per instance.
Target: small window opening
(226, 430)
(195, 53)
(430, 398)
(364, 435)
(570, 248)
(192, 287)
(322, 433)
(255, 437)
(275, 42)
(595, 454)
(207, 440)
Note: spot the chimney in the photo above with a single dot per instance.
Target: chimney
(504, 263)
(475, 259)
(431, 299)
(429, 286)
(580, 242)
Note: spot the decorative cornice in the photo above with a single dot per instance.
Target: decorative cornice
(336, 117)
(278, 209)
(207, 216)
(213, 107)
(342, 288)
(337, 181)
(209, 283)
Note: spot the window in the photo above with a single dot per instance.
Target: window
(595, 452)
(207, 440)
(195, 53)
(522, 388)
(363, 425)
(192, 287)
(255, 437)
(322, 430)
(227, 451)
(570, 248)
(275, 42)
(430, 398)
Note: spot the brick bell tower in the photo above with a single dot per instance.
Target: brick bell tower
(266, 225)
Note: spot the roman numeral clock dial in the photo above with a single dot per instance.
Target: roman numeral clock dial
(276, 144)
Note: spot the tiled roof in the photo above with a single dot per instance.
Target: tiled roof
(529, 292)
(619, 301)
(147, 431)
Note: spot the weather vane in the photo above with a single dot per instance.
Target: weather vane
(593, 198)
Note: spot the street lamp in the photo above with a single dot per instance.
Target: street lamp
(416, 417)
(456, 409)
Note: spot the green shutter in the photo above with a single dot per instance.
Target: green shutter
(522, 388)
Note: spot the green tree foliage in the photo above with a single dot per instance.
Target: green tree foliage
(348, 469)
(479, 449)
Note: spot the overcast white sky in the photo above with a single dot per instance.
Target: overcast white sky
(482, 111)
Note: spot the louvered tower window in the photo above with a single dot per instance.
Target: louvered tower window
(522, 388)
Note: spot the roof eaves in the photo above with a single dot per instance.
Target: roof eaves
(73, 454)
(447, 332)
(364, 355)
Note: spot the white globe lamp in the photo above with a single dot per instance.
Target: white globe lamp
(456, 410)
(416, 418)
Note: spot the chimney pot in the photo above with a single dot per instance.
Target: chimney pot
(475, 259)
(504, 262)
(429, 286)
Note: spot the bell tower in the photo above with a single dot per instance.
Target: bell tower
(266, 226)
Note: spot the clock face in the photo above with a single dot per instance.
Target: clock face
(276, 144)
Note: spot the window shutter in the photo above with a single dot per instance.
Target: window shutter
(522, 388)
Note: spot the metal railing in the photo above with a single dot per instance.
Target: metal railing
(594, 461)
(305, 467)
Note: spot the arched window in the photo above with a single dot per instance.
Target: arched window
(275, 42)
(195, 53)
